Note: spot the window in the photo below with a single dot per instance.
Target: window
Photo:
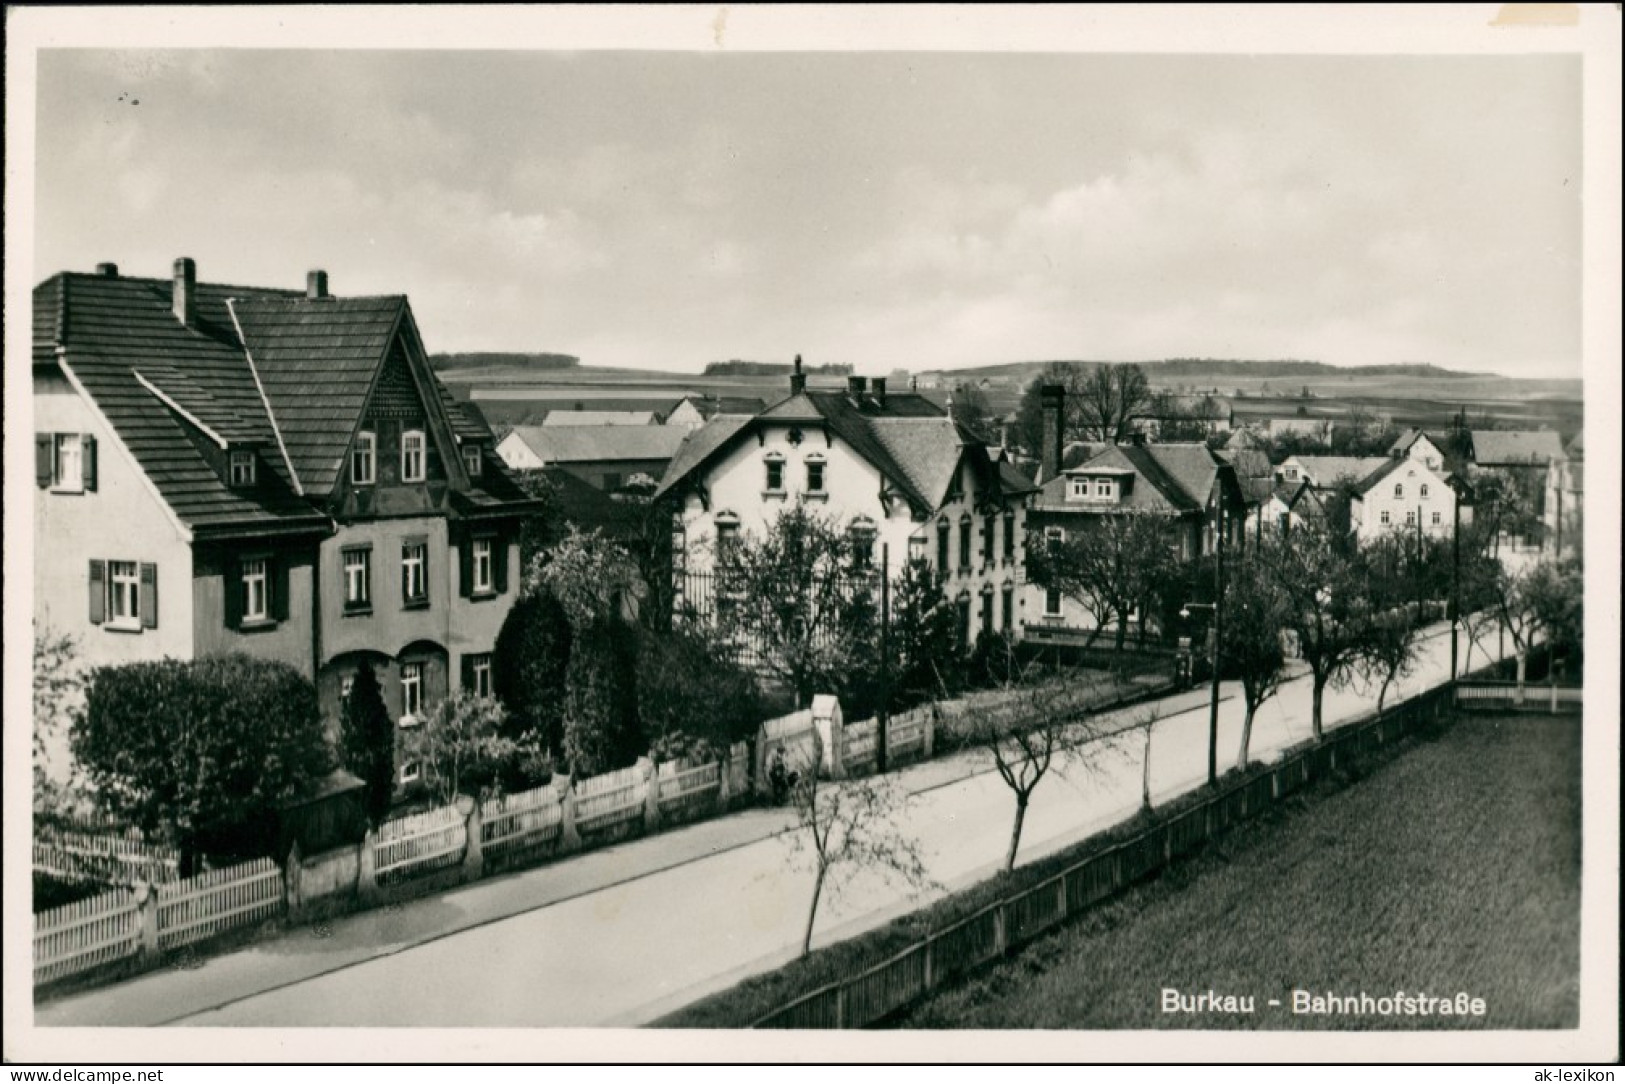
(364, 459)
(1385, 517)
(942, 545)
(1291, 474)
(1009, 535)
(987, 611)
(411, 692)
(415, 572)
(1055, 534)
(69, 472)
(964, 621)
(473, 457)
(242, 469)
(964, 541)
(477, 674)
(410, 772)
(1104, 489)
(1399, 492)
(815, 476)
(990, 537)
(412, 456)
(256, 591)
(124, 594)
(346, 687)
(484, 580)
(1052, 602)
(1079, 489)
(1424, 489)
(358, 579)
(775, 474)
(1410, 518)
(727, 539)
(1437, 519)
(1007, 598)
(862, 536)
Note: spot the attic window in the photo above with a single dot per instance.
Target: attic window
(473, 457)
(242, 469)
(1105, 489)
(1078, 489)
(412, 456)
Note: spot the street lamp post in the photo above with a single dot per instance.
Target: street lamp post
(1213, 686)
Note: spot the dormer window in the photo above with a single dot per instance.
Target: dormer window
(364, 459)
(1078, 489)
(473, 457)
(242, 469)
(413, 456)
(1105, 489)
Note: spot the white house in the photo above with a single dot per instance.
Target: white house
(1399, 495)
(1327, 471)
(891, 467)
(1415, 444)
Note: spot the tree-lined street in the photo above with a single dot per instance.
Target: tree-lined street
(627, 934)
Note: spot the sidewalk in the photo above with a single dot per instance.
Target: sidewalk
(306, 952)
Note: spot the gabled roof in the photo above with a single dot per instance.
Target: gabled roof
(269, 368)
(601, 417)
(599, 443)
(1515, 447)
(107, 329)
(1328, 470)
(1173, 479)
(1409, 437)
(907, 438)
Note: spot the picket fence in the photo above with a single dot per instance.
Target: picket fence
(688, 792)
(523, 820)
(223, 899)
(423, 838)
(607, 801)
(97, 851)
(85, 934)
(869, 994)
(1508, 696)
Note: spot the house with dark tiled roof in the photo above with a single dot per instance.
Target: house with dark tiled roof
(901, 475)
(1525, 458)
(1405, 494)
(279, 472)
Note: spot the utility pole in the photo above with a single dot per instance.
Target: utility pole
(1218, 603)
(883, 716)
(1455, 582)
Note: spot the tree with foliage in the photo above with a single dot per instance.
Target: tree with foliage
(1028, 428)
(367, 741)
(1324, 606)
(1115, 565)
(924, 635)
(59, 703)
(529, 662)
(693, 700)
(970, 408)
(205, 750)
(1110, 400)
(1543, 603)
(788, 594)
(1255, 615)
(460, 746)
(543, 528)
(1394, 568)
(848, 829)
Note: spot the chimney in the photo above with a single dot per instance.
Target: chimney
(316, 285)
(183, 297)
(107, 270)
(1052, 398)
(855, 386)
(798, 379)
(878, 384)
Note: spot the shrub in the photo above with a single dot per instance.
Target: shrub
(205, 750)
(367, 741)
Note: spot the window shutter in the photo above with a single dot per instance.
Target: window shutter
(98, 592)
(44, 460)
(279, 589)
(468, 673)
(149, 595)
(232, 579)
(499, 564)
(465, 566)
(88, 462)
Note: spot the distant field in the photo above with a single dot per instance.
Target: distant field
(1453, 868)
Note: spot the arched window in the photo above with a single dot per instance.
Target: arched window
(942, 544)
(964, 540)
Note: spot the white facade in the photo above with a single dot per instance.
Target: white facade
(517, 454)
(1427, 453)
(685, 415)
(122, 521)
(740, 498)
(1400, 499)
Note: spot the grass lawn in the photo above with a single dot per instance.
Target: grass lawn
(1454, 868)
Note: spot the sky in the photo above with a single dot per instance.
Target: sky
(890, 210)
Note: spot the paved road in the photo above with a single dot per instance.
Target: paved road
(624, 935)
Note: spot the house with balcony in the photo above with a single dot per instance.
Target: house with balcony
(1184, 486)
(891, 467)
(277, 472)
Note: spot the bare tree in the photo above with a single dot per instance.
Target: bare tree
(847, 828)
(1115, 565)
(1541, 603)
(1325, 607)
(1110, 399)
(1389, 647)
(1255, 614)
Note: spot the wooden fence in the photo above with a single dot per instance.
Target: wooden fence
(688, 792)
(607, 801)
(428, 838)
(99, 852)
(876, 991)
(1509, 696)
(85, 934)
(223, 899)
